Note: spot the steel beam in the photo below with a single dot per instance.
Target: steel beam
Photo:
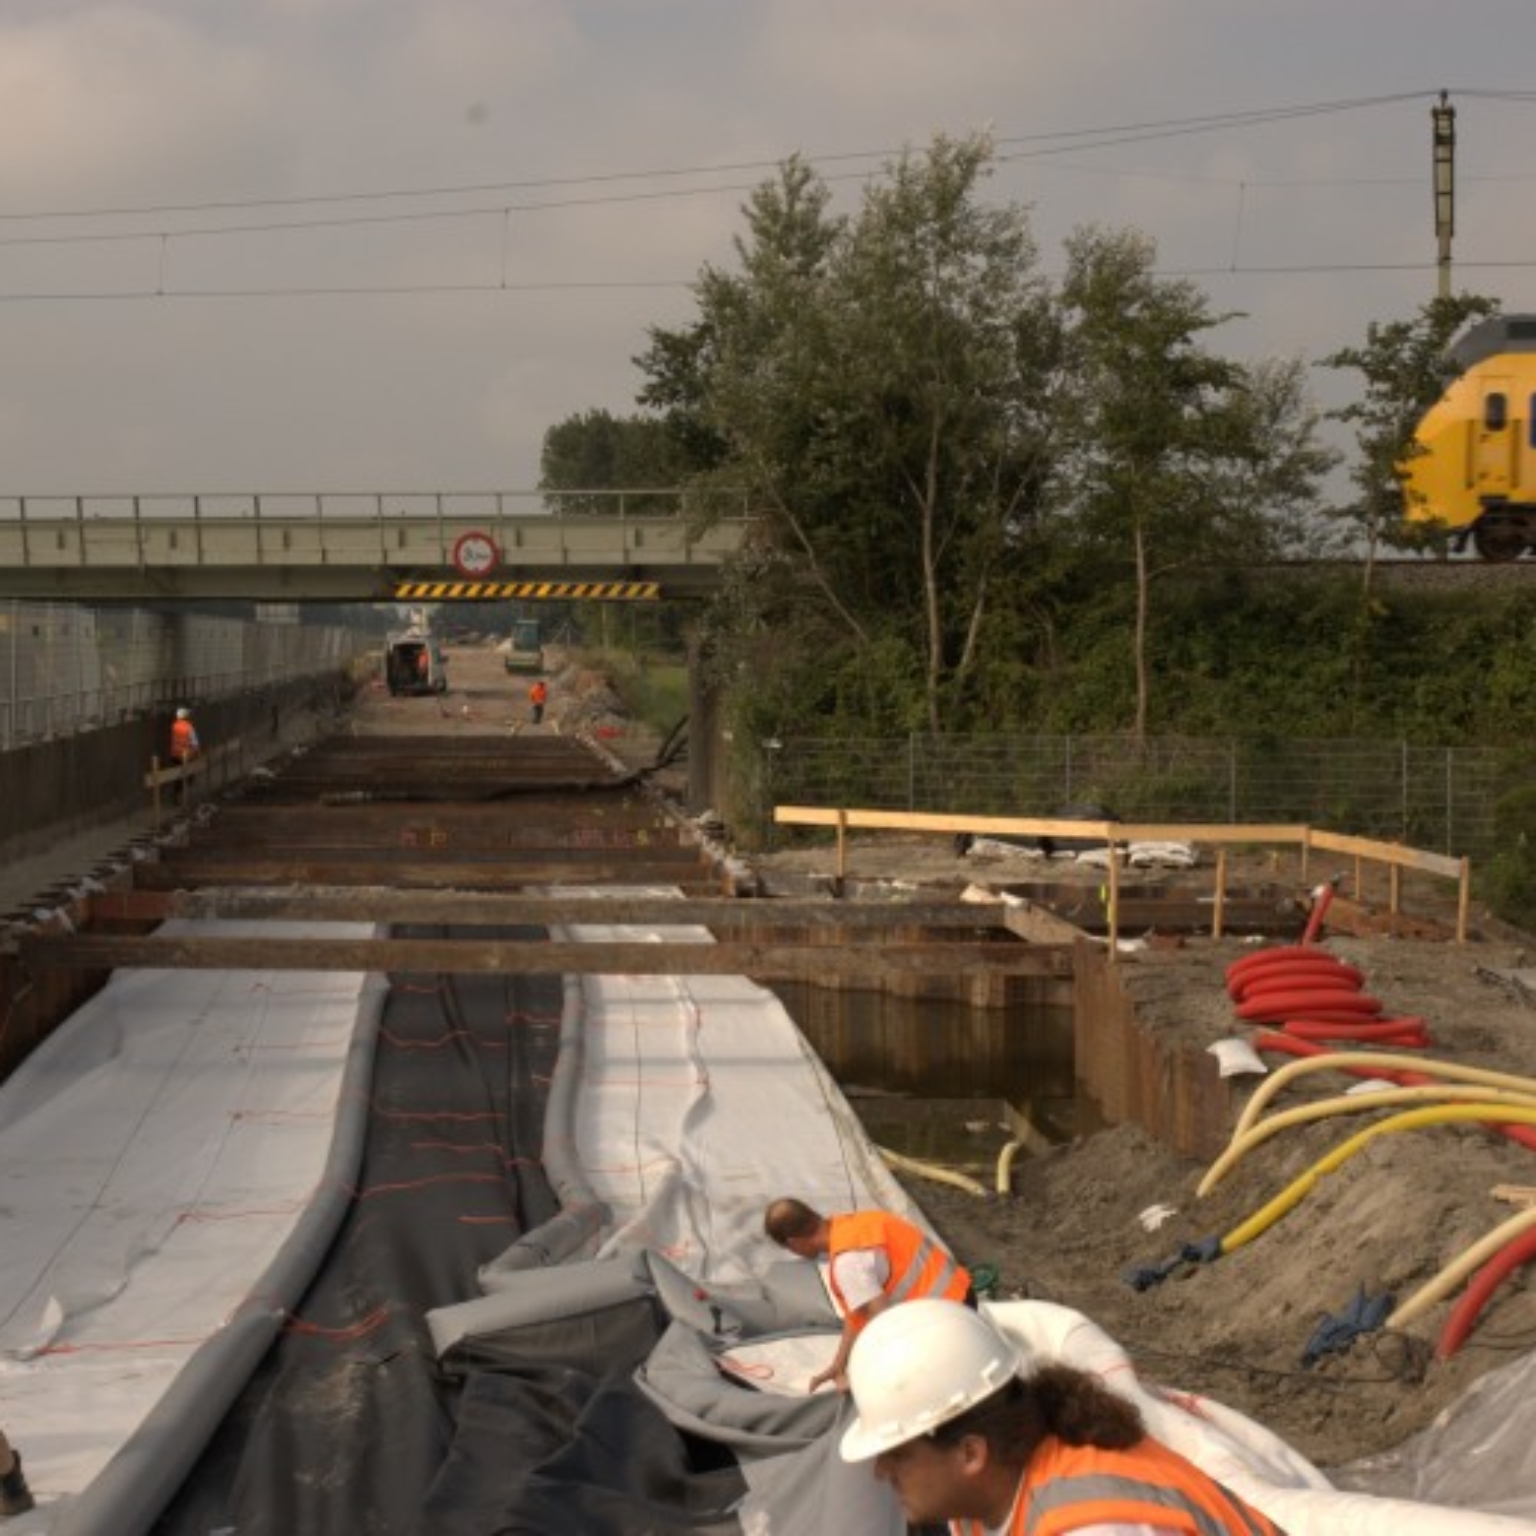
(379, 904)
(538, 957)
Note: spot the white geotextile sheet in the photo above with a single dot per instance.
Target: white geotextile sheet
(155, 1153)
(1243, 1455)
(699, 1101)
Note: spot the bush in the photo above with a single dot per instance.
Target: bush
(1509, 877)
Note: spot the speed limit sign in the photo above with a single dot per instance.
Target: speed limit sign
(475, 554)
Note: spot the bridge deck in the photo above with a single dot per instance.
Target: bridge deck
(366, 547)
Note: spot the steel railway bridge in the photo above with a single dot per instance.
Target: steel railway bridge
(363, 546)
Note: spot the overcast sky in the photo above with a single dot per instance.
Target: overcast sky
(461, 216)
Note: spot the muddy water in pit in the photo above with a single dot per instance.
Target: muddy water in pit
(936, 1081)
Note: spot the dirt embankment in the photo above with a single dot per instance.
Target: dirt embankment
(1382, 1224)
(1075, 1224)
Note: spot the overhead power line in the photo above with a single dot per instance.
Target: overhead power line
(406, 290)
(1038, 147)
(1054, 141)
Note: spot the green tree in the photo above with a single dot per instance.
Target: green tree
(884, 386)
(597, 451)
(1179, 456)
(1406, 366)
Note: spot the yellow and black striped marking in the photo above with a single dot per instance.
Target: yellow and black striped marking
(569, 591)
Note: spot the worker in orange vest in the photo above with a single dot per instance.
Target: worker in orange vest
(874, 1260)
(952, 1420)
(184, 743)
(538, 697)
(185, 747)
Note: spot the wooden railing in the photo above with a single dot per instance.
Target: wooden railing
(1116, 834)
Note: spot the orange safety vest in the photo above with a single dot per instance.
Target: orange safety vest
(919, 1266)
(538, 693)
(183, 740)
(1069, 1486)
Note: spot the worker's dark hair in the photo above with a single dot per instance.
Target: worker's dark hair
(1055, 1400)
(788, 1218)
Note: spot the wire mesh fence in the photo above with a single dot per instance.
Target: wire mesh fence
(1442, 799)
(67, 668)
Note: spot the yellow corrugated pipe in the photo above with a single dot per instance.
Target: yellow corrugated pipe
(935, 1171)
(1297, 1190)
(1462, 1266)
(1353, 1103)
(1005, 1166)
(1427, 1065)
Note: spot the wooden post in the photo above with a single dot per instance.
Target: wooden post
(842, 846)
(1221, 892)
(1112, 914)
(1464, 901)
(1394, 887)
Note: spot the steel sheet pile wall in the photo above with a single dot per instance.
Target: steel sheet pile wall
(1134, 1072)
(66, 668)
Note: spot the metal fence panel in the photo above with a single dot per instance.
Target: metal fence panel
(65, 668)
(1438, 798)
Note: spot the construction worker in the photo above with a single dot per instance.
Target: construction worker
(185, 747)
(874, 1260)
(962, 1436)
(184, 743)
(15, 1496)
(538, 697)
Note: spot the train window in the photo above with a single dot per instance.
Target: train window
(1495, 412)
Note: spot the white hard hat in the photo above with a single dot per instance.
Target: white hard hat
(183, 714)
(918, 1365)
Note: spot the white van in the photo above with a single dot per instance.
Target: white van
(415, 664)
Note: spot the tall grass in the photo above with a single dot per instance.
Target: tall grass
(654, 689)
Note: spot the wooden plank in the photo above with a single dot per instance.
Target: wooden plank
(199, 765)
(539, 957)
(470, 851)
(385, 818)
(1040, 826)
(1027, 920)
(1038, 925)
(1210, 832)
(378, 904)
(158, 776)
(490, 829)
(920, 821)
(1388, 853)
(169, 875)
(1515, 1194)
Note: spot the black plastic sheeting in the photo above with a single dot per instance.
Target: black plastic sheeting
(350, 1424)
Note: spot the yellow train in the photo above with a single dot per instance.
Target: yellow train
(1475, 471)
